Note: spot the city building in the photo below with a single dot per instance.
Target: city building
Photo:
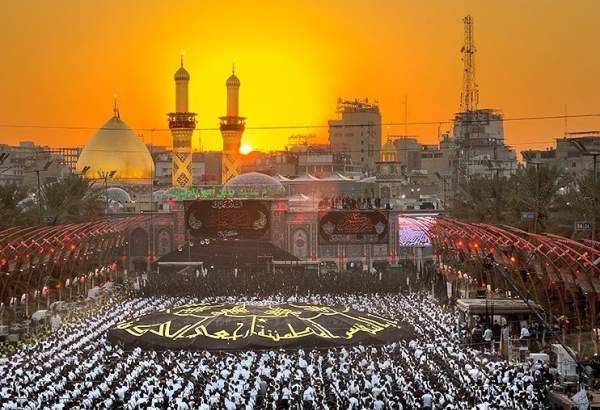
(575, 154)
(23, 161)
(408, 151)
(357, 132)
(271, 163)
(480, 148)
(324, 160)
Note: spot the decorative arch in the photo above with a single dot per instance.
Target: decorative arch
(300, 244)
(138, 242)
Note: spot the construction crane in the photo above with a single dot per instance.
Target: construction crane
(469, 97)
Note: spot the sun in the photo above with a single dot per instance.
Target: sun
(245, 149)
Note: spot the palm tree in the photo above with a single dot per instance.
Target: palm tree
(539, 189)
(482, 199)
(72, 199)
(12, 210)
(584, 201)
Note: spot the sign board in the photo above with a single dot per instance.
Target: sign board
(357, 226)
(50, 220)
(183, 194)
(528, 216)
(228, 218)
(583, 226)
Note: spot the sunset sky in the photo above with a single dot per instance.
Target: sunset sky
(62, 60)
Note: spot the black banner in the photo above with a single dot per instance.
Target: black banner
(219, 326)
(359, 226)
(228, 218)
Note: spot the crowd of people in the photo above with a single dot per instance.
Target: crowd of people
(77, 368)
(290, 280)
(348, 203)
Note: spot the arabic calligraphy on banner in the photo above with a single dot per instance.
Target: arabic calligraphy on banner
(229, 326)
(357, 226)
(224, 218)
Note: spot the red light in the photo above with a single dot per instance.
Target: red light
(52, 250)
(476, 245)
(513, 259)
(3, 261)
(72, 247)
(460, 243)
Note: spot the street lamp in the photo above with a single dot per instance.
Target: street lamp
(39, 186)
(444, 179)
(105, 176)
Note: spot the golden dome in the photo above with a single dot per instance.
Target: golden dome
(181, 74)
(232, 81)
(114, 147)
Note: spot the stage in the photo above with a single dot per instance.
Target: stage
(253, 326)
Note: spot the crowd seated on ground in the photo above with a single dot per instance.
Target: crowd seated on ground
(77, 367)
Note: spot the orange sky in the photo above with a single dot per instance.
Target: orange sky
(63, 59)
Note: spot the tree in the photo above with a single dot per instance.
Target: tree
(539, 189)
(583, 201)
(483, 199)
(13, 211)
(72, 199)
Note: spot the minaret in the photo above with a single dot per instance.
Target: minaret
(232, 128)
(182, 124)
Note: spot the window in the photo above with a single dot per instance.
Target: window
(574, 164)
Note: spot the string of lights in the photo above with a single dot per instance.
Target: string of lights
(315, 126)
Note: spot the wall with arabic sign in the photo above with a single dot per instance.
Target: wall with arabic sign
(356, 226)
(228, 218)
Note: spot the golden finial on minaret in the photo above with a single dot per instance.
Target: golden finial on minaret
(116, 106)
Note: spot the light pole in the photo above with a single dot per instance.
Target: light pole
(444, 179)
(39, 187)
(105, 176)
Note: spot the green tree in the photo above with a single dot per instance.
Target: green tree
(12, 210)
(539, 189)
(72, 199)
(583, 201)
(483, 199)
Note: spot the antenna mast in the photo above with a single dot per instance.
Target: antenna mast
(470, 94)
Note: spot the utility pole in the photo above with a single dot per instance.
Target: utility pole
(39, 187)
(537, 193)
(105, 176)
